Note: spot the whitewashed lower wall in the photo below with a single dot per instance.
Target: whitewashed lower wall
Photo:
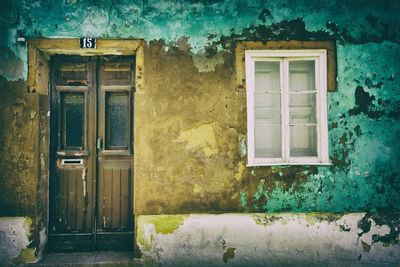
(287, 239)
(14, 240)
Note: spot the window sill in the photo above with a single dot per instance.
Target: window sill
(289, 164)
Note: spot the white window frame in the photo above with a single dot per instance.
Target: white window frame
(284, 56)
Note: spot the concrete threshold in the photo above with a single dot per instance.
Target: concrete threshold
(88, 259)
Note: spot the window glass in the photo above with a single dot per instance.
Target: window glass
(302, 76)
(302, 109)
(267, 110)
(268, 142)
(303, 141)
(117, 120)
(287, 106)
(267, 76)
(72, 120)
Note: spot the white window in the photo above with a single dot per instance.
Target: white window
(286, 107)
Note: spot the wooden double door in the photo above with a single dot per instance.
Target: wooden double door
(91, 154)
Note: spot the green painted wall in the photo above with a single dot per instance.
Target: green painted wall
(190, 120)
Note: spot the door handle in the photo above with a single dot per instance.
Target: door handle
(99, 143)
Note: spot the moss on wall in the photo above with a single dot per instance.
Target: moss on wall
(27, 255)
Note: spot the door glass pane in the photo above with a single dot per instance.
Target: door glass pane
(117, 120)
(302, 76)
(303, 141)
(268, 142)
(72, 120)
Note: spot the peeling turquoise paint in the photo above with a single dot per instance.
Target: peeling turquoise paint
(243, 201)
(202, 22)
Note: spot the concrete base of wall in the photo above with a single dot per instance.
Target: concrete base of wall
(251, 239)
(14, 240)
(281, 239)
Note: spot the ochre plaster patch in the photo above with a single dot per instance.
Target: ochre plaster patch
(239, 173)
(200, 138)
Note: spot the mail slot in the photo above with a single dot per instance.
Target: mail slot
(72, 162)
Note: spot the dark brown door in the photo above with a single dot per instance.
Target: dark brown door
(91, 151)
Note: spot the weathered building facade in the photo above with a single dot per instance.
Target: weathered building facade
(143, 140)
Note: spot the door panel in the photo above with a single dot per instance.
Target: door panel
(72, 210)
(115, 153)
(91, 154)
(114, 197)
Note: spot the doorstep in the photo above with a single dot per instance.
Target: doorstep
(88, 259)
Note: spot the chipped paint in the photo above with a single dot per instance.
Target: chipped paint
(268, 219)
(281, 239)
(84, 183)
(240, 170)
(314, 217)
(229, 253)
(15, 240)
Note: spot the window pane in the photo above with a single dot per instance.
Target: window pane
(267, 109)
(303, 141)
(302, 108)
(301, 76)
(72, 120)
(117, 115)
(266, 76)
(268, 141)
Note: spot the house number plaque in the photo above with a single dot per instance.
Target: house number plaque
(88, 42)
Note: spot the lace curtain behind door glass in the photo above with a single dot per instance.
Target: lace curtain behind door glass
(117, 108)
(72, 119)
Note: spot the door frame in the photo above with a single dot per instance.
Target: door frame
(39, 52)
